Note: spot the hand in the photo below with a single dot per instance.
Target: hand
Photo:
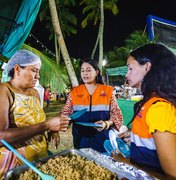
(101, 123)
(54, 138)
(58, 123)
(125, 136)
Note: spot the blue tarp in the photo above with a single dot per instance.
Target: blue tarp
(24, 21)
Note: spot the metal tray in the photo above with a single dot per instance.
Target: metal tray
(122, 170)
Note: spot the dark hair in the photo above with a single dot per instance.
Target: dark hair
(94, 64)
(11, 72)
(161, 79)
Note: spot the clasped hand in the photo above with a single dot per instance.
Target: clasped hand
(103, 125)
(58, 123)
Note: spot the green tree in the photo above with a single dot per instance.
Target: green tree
(61, 42)
(95, 11)
(136, 39)
(117, 57)
(57, 77)
(67, 19)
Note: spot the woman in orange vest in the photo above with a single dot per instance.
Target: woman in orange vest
(101, 105)
(151, 68)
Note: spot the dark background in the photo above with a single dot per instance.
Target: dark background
(131, 17)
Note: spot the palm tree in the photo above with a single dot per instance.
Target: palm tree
(61, 42)
(117, 57)
(136, 39)
(67, 20)
(57, 77)
(95, 11)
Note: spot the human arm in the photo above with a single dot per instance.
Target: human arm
(125, 136)
(166, 149)
(54, 138)
(161, 120)
(68, 108)
(115, 116)
(115, 113)
(14, 134)
(21, 134)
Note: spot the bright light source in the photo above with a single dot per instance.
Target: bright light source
(104, 62)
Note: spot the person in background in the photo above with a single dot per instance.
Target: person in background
(23, 121)
(101, 104)
(47, 95)
(151, 68)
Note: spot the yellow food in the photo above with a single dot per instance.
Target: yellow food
(71, 167)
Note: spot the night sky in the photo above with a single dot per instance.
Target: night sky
(131, 17)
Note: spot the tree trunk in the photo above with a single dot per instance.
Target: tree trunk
(56, 50)
(96, 45)
(61, 42)
(101, 31)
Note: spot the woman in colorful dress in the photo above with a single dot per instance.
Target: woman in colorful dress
(23, 121)
(101, 105)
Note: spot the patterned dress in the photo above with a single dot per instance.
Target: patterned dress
(25, 111)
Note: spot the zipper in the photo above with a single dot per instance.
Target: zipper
(90, 107)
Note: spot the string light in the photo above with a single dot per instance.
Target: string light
(43, 46)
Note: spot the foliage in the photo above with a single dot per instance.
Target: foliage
(92, 9)
(51, 73)
(117, 57)
(95, 12)
(116, 80)
(67, 19)
(61, 42)
(76, 65)
(136, 39)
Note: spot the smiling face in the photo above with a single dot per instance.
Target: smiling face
(88, 73)
(28, 75)
(136, 72)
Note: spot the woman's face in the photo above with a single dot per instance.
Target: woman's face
(88, 73)
(29, 75)
(136, 72)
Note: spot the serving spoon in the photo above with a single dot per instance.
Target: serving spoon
(41, 174)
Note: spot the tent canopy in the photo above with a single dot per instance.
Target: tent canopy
(16, 20)
(164, 29)
(116, 71)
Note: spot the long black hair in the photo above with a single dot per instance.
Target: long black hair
(94, 64)
(161, 78)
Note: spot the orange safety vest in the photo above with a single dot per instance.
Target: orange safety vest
(143, 149)
(98, 108)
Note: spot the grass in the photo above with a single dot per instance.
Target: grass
(66, 140)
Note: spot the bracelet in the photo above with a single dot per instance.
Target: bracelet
(107, 124)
